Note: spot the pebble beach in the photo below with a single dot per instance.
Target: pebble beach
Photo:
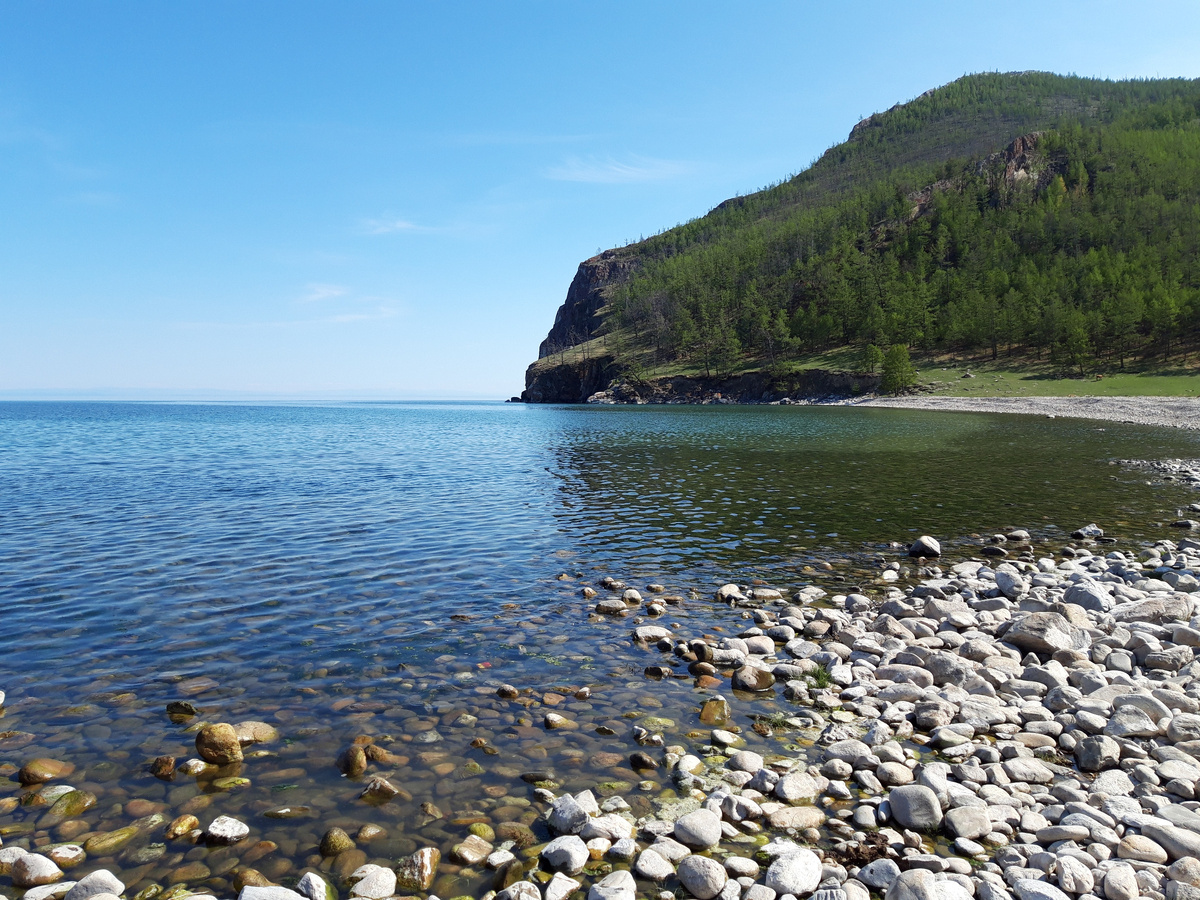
(1021, 723)
(1168, 412)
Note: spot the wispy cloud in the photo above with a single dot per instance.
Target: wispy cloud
(390, 225)
(595, 170)
(318, 292)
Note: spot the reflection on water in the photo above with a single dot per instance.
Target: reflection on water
(376, 570)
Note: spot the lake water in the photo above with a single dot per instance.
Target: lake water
(301, 565)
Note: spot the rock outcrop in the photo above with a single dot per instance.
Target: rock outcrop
(601, 380)
(576, 320)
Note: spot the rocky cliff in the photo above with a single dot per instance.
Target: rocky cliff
(601, 380)
(577, 319)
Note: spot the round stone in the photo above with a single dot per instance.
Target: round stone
(699, 830)
(703, 877)
(915, 806)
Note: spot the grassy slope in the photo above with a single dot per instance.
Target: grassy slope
(941, 375)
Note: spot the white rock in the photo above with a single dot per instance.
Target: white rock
(798, 873)
(373, 882)
(101, 881)
(560, 887)
(314, 887)
(566, 854)
(702, 876)
(33, 869)
(651, 866)
(618, 885)
(227, 830)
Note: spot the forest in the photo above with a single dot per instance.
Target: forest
(1079, 245)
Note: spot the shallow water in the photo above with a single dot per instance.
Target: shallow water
(308, 560)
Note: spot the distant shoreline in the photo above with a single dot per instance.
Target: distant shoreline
(1166, 412)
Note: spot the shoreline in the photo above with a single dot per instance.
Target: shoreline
(1166, 412)
(986, 723)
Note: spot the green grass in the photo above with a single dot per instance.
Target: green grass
(1006, 377)
(821, 678)
(1030, 378)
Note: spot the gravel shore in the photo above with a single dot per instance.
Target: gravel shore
(1172, 412)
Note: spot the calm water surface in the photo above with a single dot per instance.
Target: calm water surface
(308, 560)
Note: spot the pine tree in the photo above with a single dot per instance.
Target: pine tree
(898, 371)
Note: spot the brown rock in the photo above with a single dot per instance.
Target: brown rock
(353, 761)
(416, 872)
(163, 767)
(506, 692)
(259, 850)
(252, 732)
(346, 862)
(715, 711)
(378, 754)
(471, 851)
(181, 826)
(139, 807)
(335, 842)
(247, 877)
(39, 771)
(193, 871)
(519, 834)
(380, 790)
(219, 744)
(751, 678)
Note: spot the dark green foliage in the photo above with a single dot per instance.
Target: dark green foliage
(871, 360)
(898, 372)
(910, 233)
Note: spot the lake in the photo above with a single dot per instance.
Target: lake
(378, 570)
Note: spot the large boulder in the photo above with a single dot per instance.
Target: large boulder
(1169, 607)
(101, 881)
(567, 815)
(1046, 632)
(915, 806)
(752, 679)
(914, 884)
(969, 822)
(566, 854)
(796, 873)
(1178, 842)
(1097, 753)
(1089, 595)
(699, 830)
(415, 873)
(219, 744)
(925, 546)
(702, 876)
(618, 885)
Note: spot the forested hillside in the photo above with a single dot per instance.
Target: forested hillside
(1033, 214)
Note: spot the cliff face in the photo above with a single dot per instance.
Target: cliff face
(602, 379)
(577, 319)
(570, 382)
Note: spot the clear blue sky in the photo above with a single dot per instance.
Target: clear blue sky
(390, 199)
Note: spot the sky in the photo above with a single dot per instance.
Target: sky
(388, 200)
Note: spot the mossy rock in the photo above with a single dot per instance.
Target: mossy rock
(657, 723)
(612, 788)
(483, 830)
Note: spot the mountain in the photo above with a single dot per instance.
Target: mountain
(1021, 213)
